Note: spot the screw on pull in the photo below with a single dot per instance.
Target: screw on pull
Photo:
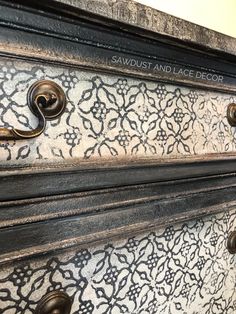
(46, 100)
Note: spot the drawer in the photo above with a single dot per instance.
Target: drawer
(114, 131)
(184, 268)
(113, 118)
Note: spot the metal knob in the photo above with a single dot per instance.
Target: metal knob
(55, 302)
(231, 243)
(231, 114)
(47, 101)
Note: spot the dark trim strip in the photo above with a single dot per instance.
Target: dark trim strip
(69, 221)
(32, 182)
(18, 212)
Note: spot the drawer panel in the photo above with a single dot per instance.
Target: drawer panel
(112, 117)
(184, 268)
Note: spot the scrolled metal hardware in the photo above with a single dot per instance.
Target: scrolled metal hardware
(231, 243)
(55, 302)
(47, 101)
(231, 114)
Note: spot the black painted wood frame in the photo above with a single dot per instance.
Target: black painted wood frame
(52, 207)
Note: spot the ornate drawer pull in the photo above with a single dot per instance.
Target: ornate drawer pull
(47, 101)
(231, 243)
(55, 302)
(231, 114)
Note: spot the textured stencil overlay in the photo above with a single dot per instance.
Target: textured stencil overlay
(112, 117)
(180, 269)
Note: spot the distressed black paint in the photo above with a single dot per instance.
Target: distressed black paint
(88, 44)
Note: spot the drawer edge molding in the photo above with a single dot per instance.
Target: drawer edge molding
(29, 182)
(98, 224)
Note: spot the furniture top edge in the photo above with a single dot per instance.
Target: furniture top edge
(135, 14)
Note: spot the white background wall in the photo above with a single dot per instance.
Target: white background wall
(219, 15)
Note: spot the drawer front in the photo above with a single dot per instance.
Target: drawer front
(184, 268)
(111, 117)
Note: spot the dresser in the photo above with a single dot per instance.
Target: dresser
(117, 161)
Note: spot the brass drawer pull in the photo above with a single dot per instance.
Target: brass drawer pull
(55, 302)
(231, 243)
(47, 101)
(231, 114)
